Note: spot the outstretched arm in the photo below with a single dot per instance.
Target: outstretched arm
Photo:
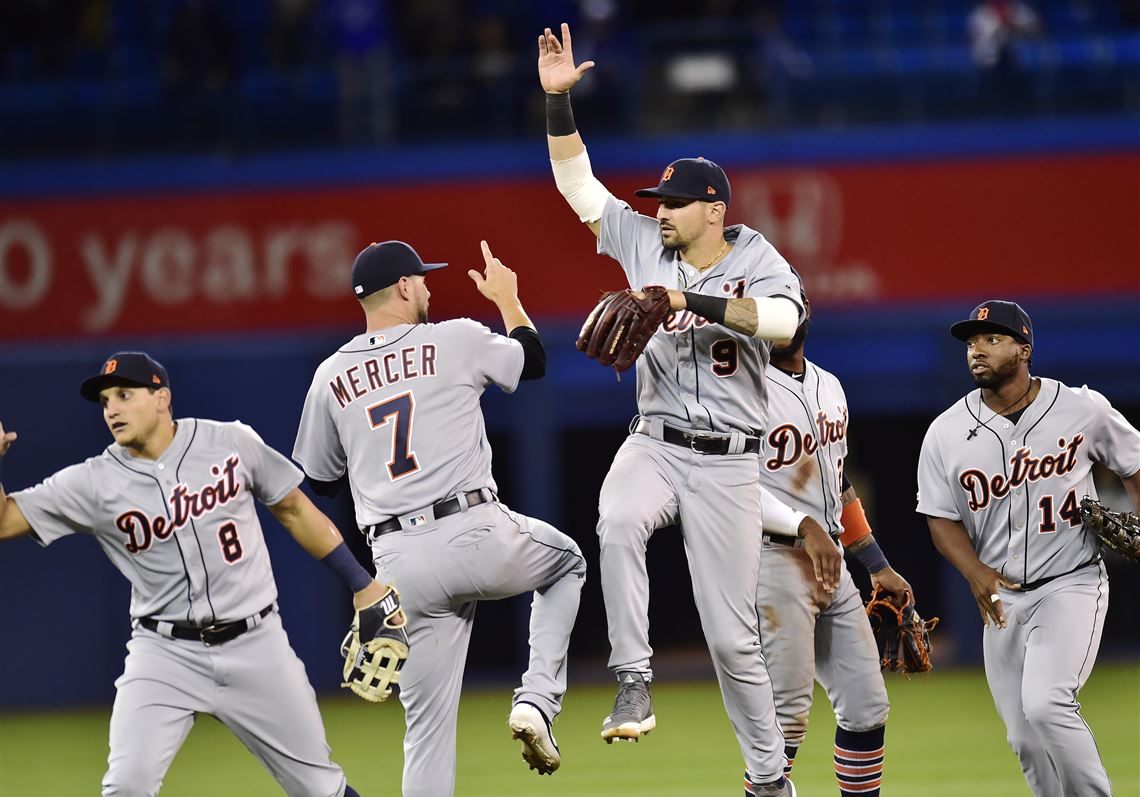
(766, 317)
(12, 521)
(558, 74)
(316, 534)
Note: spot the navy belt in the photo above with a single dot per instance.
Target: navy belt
(214, 634)
(1032, 585)
(441, 509)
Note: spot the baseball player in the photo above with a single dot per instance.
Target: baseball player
(691, 456)
(396, 409)
(807, 632)
(1000, 479)
(172, 505)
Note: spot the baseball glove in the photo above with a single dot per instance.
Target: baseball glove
(1120, 531)
(619, 328)
(902, 636)
(376, 648)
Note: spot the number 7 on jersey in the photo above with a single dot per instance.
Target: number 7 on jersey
(398, 411)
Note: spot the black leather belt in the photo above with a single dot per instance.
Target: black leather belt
(214, 634)
(706, 444)
(780, 539)
(791, 542)
(448, 506)
(1032, 585)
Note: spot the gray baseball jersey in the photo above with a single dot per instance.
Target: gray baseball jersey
(398, 410)
(1016, 488)
(184, 530)
(806, 443)
(806, 632)
(695, 376)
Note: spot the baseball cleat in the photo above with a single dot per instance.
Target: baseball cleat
(781, 788)
(632, 715)
(530, 726)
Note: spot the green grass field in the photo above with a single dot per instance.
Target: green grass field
(944, 739)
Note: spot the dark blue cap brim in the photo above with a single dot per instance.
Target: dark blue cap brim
(92, 387)
(964, 330)
(432, 267)
(657, 192)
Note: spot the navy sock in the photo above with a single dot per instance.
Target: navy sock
(790, 751)
(859, 761)
(350, 792)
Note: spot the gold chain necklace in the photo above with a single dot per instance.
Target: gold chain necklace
(718, 255)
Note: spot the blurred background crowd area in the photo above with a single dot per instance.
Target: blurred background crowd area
(108, 77)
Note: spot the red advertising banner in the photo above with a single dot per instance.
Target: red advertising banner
(281, 259)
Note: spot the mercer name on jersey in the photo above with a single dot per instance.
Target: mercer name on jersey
(1024, 467)
(141, 530)
(398, 365)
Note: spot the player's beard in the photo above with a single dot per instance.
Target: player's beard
(998, 375)
(676, 244)
(780, 352)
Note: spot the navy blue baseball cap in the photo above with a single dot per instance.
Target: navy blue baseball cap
(382, 264)
(996, 315)
(692, 178)
(134, 368)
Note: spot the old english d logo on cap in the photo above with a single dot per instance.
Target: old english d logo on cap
(983, 314)
(667, 174)
(111, 365)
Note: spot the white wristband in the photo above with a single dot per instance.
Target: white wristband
(583, 191)
(777, 318)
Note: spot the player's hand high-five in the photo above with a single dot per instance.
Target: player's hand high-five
(556, 70)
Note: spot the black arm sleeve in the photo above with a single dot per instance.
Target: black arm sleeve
(327, 489)
(534, 355)
(845, 486)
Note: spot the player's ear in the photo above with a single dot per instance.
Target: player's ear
(716, 212)
(164, 398)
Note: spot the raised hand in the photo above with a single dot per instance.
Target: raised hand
(6, 440)
(556, 70)
(497, 282)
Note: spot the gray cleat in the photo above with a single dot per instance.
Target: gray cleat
(786, 789)
(632, 714)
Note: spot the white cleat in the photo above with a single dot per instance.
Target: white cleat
(530, 726)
